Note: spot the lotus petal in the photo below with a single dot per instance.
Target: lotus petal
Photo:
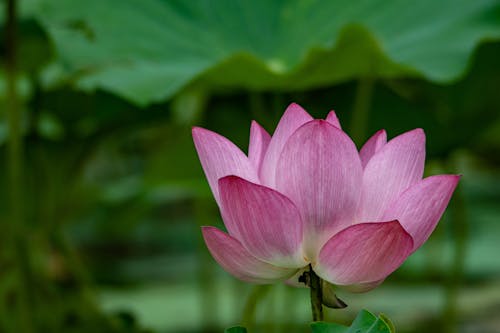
(420, 208)
(294, 117)
(265, 221)
(259, 140)
(236, 260)
(397, 166)
(363, 253)
(321, 172)
(219, 157)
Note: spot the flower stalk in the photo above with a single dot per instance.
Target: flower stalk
(15, 148)
(316, 295)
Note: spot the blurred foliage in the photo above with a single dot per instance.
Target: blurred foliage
(113, 193)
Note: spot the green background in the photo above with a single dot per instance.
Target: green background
(102, 199)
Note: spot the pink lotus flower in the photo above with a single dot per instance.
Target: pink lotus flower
(306, 196)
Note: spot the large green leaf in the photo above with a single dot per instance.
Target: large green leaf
(365, 322)
(147, 50)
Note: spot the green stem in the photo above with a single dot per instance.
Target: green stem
(316, 295)
(14, 144)
(455, 278)
(256, 294)
(361, 109)
(278, 105)
(15, 171)
(258, 108)
(210, 298)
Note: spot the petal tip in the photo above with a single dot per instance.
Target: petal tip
(294, 105)
(419, 132)
(416, 133)
(296, 108)
(456, 177)
(451, 178)
(331, 114)
(197, 132)
(254, 123)
(208, 228)
(210, 233)
(414, 137)
(196, 129)
(382, 132)
(333, 119)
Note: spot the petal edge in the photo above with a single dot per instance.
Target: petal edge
(363, 253)
(233, 257)
(257, 147)
(320, 171)
(220, 157)
(294, 117)
(420, 207)
(372, 146)
(396, 167)
(333, 119)
(266, 222)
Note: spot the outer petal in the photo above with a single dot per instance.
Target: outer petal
(259, 140)
(397, 166)
(420, 207)
(233, 257)
(320, 171)
(364, 252)
(362, 287)
(219, 157)
(265, 221)
(372, 146)
(294, 117)
(332, 119)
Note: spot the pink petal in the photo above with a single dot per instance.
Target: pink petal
(362, 287)
(265, 221)
(219, 157)
(364, 252)
(421, 206)
(259, 140)
(332, 119)
(320, 171)
(372, 146)
(294, 117)
(397, 166)
(233, 257)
